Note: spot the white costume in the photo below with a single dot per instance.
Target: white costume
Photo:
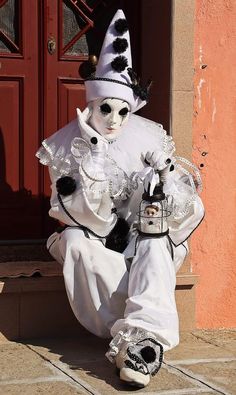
(97, 280)
(128, 296)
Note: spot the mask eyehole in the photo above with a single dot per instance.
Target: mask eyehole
(105, 108)
(124, 111)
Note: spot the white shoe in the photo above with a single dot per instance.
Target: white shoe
(139, 361)
(134, 378)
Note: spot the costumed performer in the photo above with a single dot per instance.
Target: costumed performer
(119, 284)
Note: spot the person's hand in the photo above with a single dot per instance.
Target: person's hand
(158, 160)
(96, 142)
(83, 118)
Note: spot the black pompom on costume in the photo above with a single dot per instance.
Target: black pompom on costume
(148, 354)
(66, 186)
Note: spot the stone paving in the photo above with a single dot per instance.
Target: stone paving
(203, 363)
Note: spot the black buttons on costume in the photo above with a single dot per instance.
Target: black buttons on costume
(168, 161)
(172, 167)
(94, 140)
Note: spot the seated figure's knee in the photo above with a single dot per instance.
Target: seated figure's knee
(72, 241)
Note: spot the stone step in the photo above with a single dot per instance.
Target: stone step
(33, 301)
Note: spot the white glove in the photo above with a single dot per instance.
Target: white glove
(98, 145)
(164, 165)
(158, 160)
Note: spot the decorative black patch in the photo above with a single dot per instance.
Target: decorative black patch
(117, 238)
(148, 353)
(94, 140)
(119, 63)
(133, 76)
(140, 92)
(120, 45)
(121, 26)
(168, 161)
(66, 186)
(172, 167)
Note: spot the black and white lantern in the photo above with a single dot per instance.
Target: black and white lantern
(153, 213)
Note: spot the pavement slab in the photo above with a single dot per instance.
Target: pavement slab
(203, 363)
(49, 388)
(221, 374)
(194, 345)
(224, 338)
(17, 361)
(103, 377)
(87, 361)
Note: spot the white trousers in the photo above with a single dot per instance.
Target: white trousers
(106, 296)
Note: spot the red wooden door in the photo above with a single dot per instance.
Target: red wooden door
(19, 120)
(43, 43)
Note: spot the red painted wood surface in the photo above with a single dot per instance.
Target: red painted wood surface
(63, 86)
(19, 125)
(39, 93)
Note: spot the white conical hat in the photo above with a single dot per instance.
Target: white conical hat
(114, 69)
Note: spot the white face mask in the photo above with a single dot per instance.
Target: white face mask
(108, 116)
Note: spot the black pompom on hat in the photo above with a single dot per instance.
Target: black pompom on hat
(119, 63)
(66, 185)
(120, 45)
(121, 26)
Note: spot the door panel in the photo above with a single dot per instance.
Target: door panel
(19, 182)
(77, 29)
(71, 95)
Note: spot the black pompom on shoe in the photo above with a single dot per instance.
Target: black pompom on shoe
(148, 353)
(66, 186)
(121, 26)
(119, 63)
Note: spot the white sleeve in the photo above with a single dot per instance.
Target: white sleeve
(181, 229)
(187, 207)
(81, 208)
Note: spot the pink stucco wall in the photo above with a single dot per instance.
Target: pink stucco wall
(214, 145)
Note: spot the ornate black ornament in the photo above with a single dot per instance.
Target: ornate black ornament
(141, 92)
(66, 186)
(133, 76)
(119, 63)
